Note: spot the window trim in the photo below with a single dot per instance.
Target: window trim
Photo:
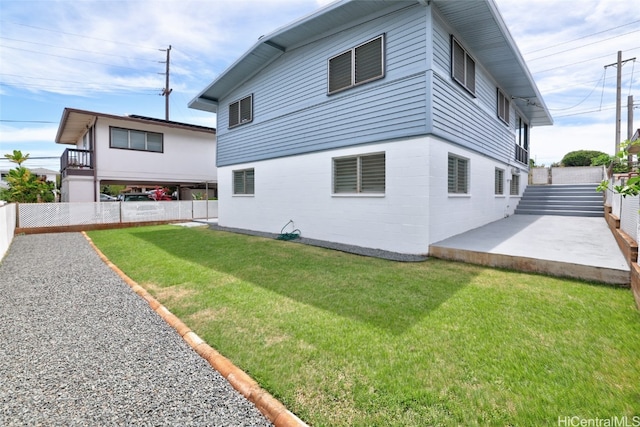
(353, 81)
(498, 182)
(503, 106)
(245, 190)
(467, 184)
(467, 57)
(238, 102)
(128, 147)
(359, 175)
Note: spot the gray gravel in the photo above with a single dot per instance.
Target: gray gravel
(357, 250)
(79, 348)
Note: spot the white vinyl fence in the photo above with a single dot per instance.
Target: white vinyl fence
(7, 226)
(625, 208)
(567, 175)
(34, 215)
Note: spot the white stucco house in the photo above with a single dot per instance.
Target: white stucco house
(132, 150)
(382, 124)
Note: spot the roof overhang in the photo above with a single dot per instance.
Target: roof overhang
(477, 22)
(75, 123)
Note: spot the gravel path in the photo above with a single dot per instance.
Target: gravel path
(78, 347)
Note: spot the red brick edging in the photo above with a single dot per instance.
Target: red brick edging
(275, 411)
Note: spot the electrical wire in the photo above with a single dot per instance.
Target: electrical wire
(584, 37)
(581, 46)
(586, 97)
(80, 35)
(93, 52)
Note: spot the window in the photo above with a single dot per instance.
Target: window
(130, 139)
(359, 174)
(243, 181)
(463, 67)
(515, 185)
(241, 111)
(503, 107)
(356, 66)
(522, 141)
(458, 175)
(499, 182)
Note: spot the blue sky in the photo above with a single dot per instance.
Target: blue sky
(106, 56)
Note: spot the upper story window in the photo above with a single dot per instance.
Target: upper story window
(522, 141)
(356, 66)
(130, 139)
(241, 111)
(463, 67)
(359, 174)
(503, 106)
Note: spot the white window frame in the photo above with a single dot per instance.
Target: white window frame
(499, 182)
(129, 140)
(457, 165)
(466, 79)
(355, 179)
(248, 182)
(503, 107)
(238, 113)
(352, 54)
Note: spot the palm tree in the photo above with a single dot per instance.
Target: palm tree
(17, 157)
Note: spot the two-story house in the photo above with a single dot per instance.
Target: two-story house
(133, 151)
(382, 124)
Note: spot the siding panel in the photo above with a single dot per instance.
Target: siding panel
(293, 113)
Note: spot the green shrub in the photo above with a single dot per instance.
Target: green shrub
(581, 157)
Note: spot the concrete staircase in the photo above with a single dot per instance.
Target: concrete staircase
(565, 200)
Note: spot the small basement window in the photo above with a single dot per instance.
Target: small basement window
(458, 175)
(359, 174)
(243, 181)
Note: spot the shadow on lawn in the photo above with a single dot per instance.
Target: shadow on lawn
(386, 294)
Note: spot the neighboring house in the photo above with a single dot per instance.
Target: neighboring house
(47, 174)
(132, 150)
(382, 124)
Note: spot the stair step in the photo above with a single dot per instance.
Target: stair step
(559, 213)
(565, 200)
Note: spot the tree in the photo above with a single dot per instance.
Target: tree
(25, 187)
(581, 157)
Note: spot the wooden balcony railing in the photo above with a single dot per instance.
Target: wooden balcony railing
(76, 162)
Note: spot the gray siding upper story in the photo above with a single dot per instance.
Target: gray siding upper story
(293, 114)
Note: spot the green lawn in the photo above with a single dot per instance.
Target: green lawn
(347, 340)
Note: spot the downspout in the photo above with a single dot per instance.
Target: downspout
(93, 144)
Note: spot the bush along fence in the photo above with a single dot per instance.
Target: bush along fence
(44, 217)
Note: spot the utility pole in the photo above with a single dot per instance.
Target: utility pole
(618, 64)
(166, 91)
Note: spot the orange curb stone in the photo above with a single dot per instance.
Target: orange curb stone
(243, 383)
(268, 405)
(192, 339)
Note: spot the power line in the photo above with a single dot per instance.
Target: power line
(75, 59)
(581, 46)
(579, 62)
(584, 37)
(76, 50)
(80, 35)
(25, 121)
